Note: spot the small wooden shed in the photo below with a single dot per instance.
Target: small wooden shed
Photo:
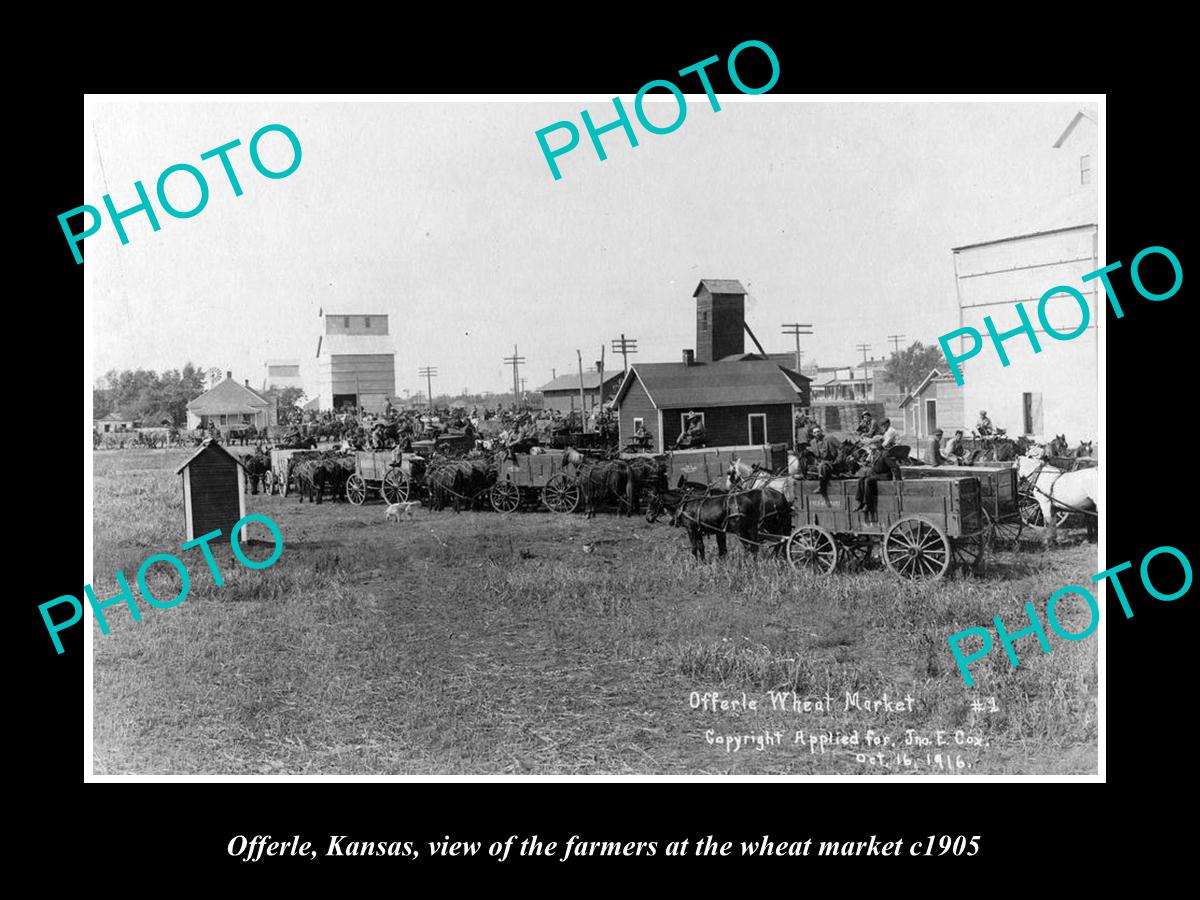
(214, 491)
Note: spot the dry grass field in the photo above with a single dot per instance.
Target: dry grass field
(488, 644)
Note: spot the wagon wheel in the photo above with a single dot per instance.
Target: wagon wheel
(814, 548)
(916, 548)
(505, 496)
(395, 487)
(268, 482)
(971, 552)
(857, 551)
(356, 489)
(1006, 530)
(561, 494)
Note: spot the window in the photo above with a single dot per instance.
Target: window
(930, 416)
(367, 321)
(1031, 409)
(638, 423)
(683, 421)
(345, 321)
(1085, 169)
(758, 428)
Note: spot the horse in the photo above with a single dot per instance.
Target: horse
(1076, 490)
(257, 466)
(748, 478)
(598, 480)
(746, 513)
(667, 500)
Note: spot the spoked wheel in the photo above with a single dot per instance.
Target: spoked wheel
(505, 496)
(1031, 513)
(561, 494)
(813, 548)
(1006, 530)
(395, 487)
(856, 551)
(268, 482)
(356, 489)
(916, 548)
(970, 553)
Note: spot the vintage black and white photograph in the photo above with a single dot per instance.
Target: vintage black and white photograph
(530, 437)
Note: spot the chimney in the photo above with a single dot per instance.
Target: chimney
(689, 357)
(229, 376)
(247, 380)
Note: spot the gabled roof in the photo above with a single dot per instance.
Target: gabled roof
(720, 286)
(1079, 116)
(115, 417)
(228, 397)
(591, 381)
(916, 392)
(749, 357)
(715, 384)
(208, 445)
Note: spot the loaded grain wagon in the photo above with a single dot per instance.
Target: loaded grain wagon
(214, 483)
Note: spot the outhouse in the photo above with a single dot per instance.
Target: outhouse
(214, 491)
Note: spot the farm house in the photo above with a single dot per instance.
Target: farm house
(230, 403)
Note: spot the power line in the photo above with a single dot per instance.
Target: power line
(796, 329)
(428, 372)
(895, 339)
(624, 346)
(515, 361)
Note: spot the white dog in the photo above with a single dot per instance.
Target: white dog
(396, 510)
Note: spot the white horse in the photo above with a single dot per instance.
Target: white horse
(1076, 490)
(743, 477)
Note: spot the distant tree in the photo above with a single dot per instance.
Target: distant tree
(147, 396)
(287, 401)
(908, 367)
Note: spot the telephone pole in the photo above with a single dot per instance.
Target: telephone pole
(896, 339)
(429, 372)
(864, 348)
(796, 329)
(624, 346)
(515, 361)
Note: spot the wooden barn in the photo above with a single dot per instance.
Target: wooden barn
(214, 495)
(741, 403)
(743, 399)
(562, 393)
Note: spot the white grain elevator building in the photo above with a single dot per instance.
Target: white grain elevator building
(1055, 391)
(356, 361)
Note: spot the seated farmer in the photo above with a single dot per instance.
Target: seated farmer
(984, 425)
(956, 453)
(827, 453)
(642, 438)
(877, 467)
(935, 450)
(866, 426)
(891, 438)
(805, 427)
(694, 435)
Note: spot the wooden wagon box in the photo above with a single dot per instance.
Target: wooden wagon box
(953, 504)
(998, 484)
(706, 464)
(531, 469)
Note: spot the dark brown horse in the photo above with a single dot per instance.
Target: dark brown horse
(757, 517)
(602, 480)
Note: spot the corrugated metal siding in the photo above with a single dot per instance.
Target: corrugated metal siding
(637, 405)
(375, 373)
(214, 494)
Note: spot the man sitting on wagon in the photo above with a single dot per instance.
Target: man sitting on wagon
(956, 453)
(827, 453)
(866, 426)
(694, 435)
(984, 426)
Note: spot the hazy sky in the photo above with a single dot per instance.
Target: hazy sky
(446, 217)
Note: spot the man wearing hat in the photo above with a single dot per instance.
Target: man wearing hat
(827, 453)
(984, 426)
(866, 426)
(956, 453)
(694, 435)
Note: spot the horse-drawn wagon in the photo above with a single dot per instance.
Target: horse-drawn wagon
(375, 471)
(278, 479)
(1000, 495)
(534, 479)
(706, 465)
(921, 527)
